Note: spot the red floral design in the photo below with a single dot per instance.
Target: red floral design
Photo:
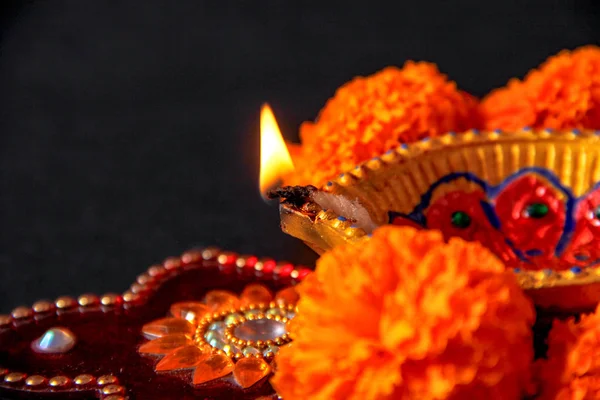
(585, 243)
(536, 237)
(531, 214)
(440, 215)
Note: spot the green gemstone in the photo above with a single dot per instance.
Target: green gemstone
(461, 219)
(536, 210)
(597, 212)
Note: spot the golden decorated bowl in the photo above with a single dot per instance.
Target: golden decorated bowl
(531, 196)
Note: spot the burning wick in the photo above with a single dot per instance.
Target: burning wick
(275, 160)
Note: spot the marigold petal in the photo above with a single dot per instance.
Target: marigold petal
(572, 367)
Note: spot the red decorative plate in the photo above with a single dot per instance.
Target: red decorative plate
(215, 346)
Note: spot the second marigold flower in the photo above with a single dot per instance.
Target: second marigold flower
(370, 115)
(408, 316)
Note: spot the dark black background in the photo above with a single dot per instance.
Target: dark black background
(129, 129)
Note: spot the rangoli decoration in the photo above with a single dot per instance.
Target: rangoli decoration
(223, 335)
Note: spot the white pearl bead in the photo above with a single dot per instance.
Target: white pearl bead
(54, 341)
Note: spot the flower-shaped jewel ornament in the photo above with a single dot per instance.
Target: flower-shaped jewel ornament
(225, 334)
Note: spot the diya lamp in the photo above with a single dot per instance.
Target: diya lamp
(530, 196)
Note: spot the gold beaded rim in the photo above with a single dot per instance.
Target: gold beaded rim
(154, 276)
(472, 137)
(106, 385)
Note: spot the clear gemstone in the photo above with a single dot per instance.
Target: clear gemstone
(270, 349)
(231, 350)
(218, 343)
(217, 326)
(210, 335)
(54, 340)
(250, 351)
(260, 329)
(291, 314)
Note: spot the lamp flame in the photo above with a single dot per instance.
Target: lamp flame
(275, 159)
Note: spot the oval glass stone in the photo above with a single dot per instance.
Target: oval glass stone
(54, 341)
(260, 329)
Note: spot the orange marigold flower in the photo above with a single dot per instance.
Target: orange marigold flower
(572, 368)
(408, 316)
(563, 93)
(370, 115)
